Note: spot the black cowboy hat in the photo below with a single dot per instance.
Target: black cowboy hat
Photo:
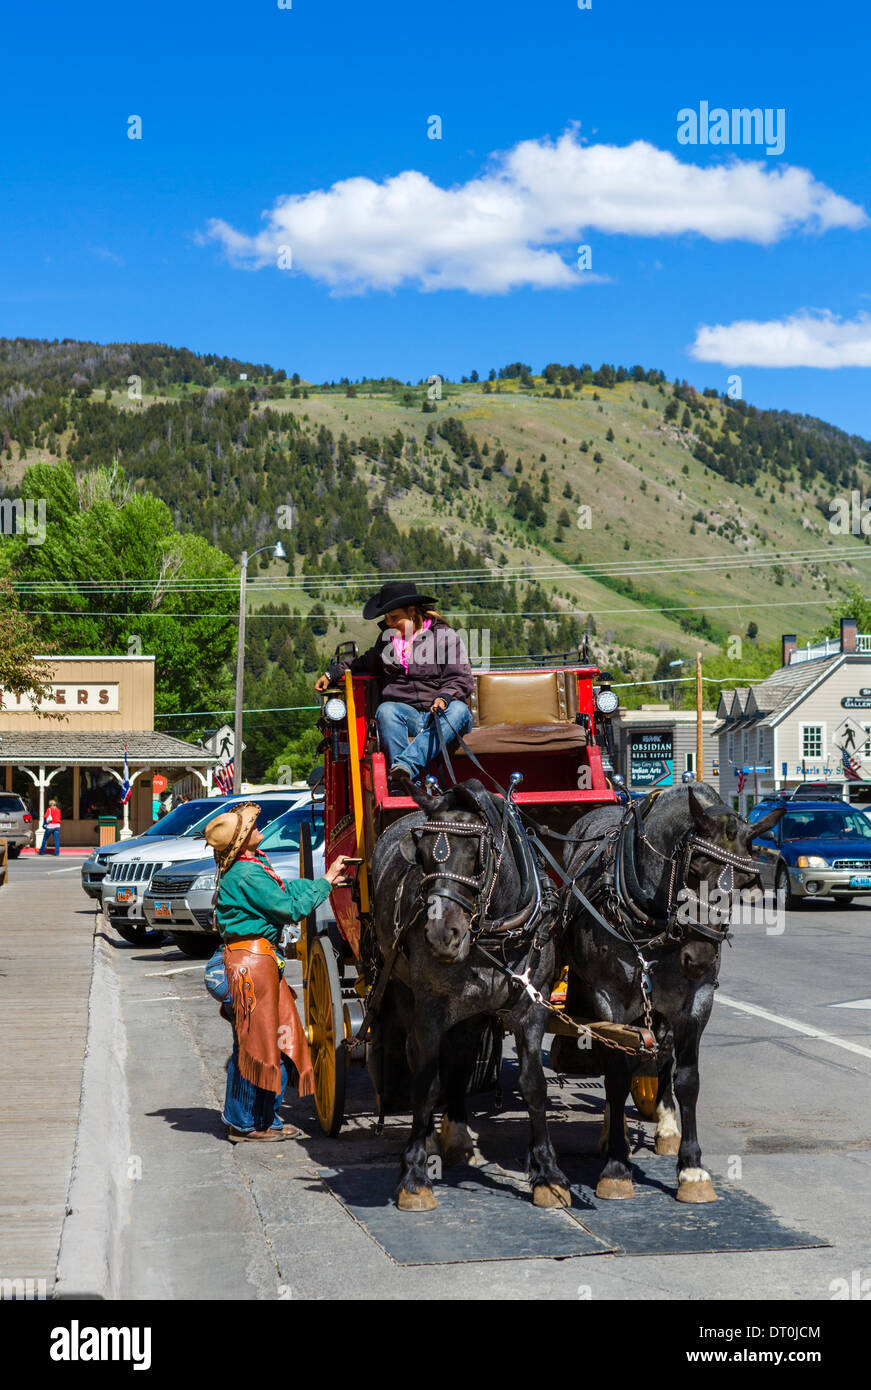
(399, 595)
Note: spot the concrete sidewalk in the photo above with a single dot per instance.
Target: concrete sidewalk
(46, 951)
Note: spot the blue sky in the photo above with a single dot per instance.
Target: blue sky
(468, 261)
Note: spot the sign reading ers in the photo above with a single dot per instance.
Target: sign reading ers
(65, 695)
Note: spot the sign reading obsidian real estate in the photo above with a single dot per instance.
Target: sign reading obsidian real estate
(651, 759)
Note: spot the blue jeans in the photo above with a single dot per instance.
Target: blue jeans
(397, 723)
(56, 833)
(246, 1106)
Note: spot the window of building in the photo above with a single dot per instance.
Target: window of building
(690, 762)
(731, 748)
(812, 741)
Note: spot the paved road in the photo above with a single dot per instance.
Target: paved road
(782, 1109)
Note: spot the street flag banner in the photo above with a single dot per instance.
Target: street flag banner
(741, 774)
(852, 771)
(126, 788)
(224, 777)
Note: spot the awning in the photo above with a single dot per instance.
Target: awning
(94, 749)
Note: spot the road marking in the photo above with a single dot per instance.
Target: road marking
(51, 872)
(176, 970)
(159, 998)
(795, 1026)
(852, 1004)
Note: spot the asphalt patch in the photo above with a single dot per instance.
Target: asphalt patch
(483, 1214)
(653, 1222)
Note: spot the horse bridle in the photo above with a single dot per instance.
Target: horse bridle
(481, 884)
(474, 893)
(678, 886)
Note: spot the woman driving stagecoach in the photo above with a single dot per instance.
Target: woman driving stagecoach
(423, 674)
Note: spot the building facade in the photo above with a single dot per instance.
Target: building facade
(655, 745)
(809, 721)
(72, 747)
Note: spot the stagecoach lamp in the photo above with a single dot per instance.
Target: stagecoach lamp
(335, 709)
(812, 861)
(606, 702)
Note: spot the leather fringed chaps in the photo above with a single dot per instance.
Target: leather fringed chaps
(266, 1021)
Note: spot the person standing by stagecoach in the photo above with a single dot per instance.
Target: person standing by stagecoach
(252, 904)
(423, 674)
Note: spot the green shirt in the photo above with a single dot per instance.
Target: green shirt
(250, 902)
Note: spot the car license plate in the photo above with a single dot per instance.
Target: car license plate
(860, 881)
(125, 895)
(5, 825)
(162, 910)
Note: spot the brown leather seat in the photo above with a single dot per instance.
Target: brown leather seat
(525, 738)
(518, 712)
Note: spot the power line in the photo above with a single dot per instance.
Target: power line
(478, 575)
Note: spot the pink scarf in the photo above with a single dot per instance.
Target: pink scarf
(403, 648)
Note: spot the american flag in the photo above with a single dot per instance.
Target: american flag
(741, 774)
(852, 771)
(224, 777)
(126, 788)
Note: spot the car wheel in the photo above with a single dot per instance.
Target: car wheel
(784, 889)
(138, 935)
(13, 851)
(198, 944)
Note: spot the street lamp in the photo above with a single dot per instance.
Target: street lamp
(277, 554)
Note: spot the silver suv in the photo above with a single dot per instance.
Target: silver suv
(16, 823)
(179, 898)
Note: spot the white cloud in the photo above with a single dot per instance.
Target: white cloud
(808, 338)
(497, 232)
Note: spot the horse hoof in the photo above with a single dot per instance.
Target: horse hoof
(615, 1188)
(551, 1195)
(694, 1185)
(457, 1144)
(417, 1201)
(667, 1144)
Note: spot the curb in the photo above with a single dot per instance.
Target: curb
(98, 1199)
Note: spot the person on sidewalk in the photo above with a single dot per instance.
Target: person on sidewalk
(423, 674)
(51, 826)
(252, 904)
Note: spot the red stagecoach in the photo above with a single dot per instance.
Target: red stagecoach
(549, 722)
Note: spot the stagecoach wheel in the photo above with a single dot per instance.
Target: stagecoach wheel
(326, 1032)
(644, 1089)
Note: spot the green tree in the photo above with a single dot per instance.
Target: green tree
(117, 570)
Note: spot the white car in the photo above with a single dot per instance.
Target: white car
(130, 870)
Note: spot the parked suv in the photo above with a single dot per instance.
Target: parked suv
(179, 897)
(184, 820)
(819, 849)
(16, 823)
(130, 868)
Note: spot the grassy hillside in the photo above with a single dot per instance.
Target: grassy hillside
(704, 515)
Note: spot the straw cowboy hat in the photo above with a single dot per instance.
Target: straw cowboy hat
(228, 832)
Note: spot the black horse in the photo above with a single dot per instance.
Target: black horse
(648, 886)
(450, 882)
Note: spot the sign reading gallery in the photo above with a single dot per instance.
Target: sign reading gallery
(85, 695)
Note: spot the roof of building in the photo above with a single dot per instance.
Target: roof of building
(777, 694)
(67, 746)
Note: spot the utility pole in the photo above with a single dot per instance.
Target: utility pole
(240, 670)
(699, 767)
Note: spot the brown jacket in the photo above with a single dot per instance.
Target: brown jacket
(438, 667)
